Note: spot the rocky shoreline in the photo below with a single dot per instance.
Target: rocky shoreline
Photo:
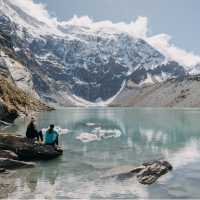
(15, 153)
(15, 150)
(19, 148)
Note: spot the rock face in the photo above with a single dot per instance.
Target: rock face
(7, 114)
(27, 151)
(14, 101)
(149, 172)
(70, 64)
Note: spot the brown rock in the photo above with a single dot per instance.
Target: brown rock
(26, 150)
(152, 171)
(148, 173)
(8, 154)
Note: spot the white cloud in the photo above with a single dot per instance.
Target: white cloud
(163, 43)
(37, 11)
(138, 28)
(79, 21)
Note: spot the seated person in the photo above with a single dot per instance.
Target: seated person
(31, 132)
(51, 136)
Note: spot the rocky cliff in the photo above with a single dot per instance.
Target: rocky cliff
(14, 101)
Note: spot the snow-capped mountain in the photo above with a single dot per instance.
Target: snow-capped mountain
(63, 63)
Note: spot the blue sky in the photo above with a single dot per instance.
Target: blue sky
(178, 18)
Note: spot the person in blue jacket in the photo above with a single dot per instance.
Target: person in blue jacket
(51, 136)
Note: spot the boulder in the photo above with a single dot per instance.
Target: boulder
(152, 171)
(148, 173)
(38, 151)
(6, 163)
(27, 150)
(8, 154)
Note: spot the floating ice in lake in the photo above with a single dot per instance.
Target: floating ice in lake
(89, 124)
(107, 133)
(99, 134)
(87, 137)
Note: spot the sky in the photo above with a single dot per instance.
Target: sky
(177, 18)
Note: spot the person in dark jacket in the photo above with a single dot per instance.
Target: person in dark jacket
(32, 133)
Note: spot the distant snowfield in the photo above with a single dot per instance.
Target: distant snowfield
(82, 102)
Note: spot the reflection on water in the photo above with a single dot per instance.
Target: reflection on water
(101, 139)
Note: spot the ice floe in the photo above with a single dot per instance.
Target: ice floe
(98, 134)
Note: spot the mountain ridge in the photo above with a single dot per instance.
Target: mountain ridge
(174, 92)
(72, 65)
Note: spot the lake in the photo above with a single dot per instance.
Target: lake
(99, 142)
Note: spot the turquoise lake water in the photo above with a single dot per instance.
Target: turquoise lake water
(99, 142)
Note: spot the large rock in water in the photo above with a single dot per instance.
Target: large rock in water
(26, 150)
(149, 172)
(152, 171)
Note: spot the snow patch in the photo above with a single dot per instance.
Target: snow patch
(163, 43)
(147, 81)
